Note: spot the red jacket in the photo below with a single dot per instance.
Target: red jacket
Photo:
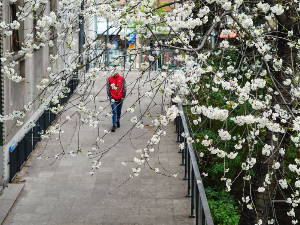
(120, 91)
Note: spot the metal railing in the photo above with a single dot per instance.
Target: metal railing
(199, 205)
(23, 148)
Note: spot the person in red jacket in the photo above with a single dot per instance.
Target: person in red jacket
(116, 91)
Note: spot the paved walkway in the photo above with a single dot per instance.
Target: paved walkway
(65, 193)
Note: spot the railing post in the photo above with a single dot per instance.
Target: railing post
(28, 138)
(176, 123)
(183, 152)
(200, 211)
(185, 159)
(179, 131)
(189, 174)
(203, 216)
(197, 206)
(193, 194)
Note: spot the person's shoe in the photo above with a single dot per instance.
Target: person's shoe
(118, 124)
(113, 129)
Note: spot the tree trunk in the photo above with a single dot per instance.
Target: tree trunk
(263, 201)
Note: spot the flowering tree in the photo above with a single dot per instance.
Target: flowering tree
(244, 90)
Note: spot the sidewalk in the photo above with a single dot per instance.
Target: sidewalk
(65, 193)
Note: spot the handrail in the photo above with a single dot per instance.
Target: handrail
(192, 174)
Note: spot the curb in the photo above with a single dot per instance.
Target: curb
(8, 197)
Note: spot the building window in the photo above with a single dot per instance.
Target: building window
(15, 37)
(22, 68)
(34, 21)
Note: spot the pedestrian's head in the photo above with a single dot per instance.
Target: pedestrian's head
(115, 71)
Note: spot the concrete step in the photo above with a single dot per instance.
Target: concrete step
(8, 197)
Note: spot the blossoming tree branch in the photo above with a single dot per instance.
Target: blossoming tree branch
(241, 95)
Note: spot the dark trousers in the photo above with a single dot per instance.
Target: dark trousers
(116, 109)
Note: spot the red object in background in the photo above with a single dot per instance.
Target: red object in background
(232, 35)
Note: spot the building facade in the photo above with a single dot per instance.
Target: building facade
(15, 95)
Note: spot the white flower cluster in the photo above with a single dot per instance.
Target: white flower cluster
(210, 112)
(11, 116)
(267, 149)
(47, 21)
(203, 12)
(217, 151)
(92, 74)
(52, 130)
(250, 162)
(232, 155)
(263, 6)
(245, 20)
(224, 44)
(11, 74)
(277, 9)
(207, 142)
(224, 135)
(262, 122)
(15, 25)
(172, 112)
(277, 64)
(228, 185)
(57, 109)
(283, 183)
(184, 11)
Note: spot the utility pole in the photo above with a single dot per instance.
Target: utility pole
(107, 40)
(81, 33)
(1, 112)
(124, 50)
